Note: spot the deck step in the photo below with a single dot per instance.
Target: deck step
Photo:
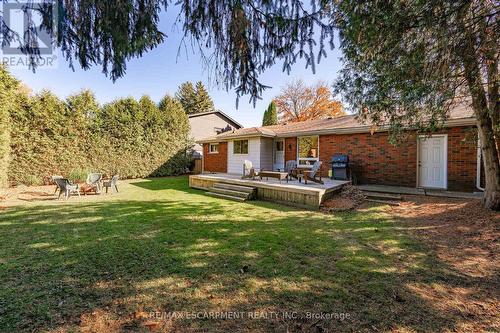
(384, 196)
(234, 193)
(225, 196)
(232, 187)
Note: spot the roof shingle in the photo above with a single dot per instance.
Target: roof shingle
(343, 123)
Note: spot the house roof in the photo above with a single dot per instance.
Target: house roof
(460, 116)
(221, 114)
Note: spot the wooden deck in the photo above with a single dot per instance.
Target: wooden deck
(293, 193)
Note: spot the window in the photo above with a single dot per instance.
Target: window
(240, 147)
(279, 152)
(308, 150)
(279, 145)
(213, 148)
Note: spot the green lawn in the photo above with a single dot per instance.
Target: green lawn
(160, 246)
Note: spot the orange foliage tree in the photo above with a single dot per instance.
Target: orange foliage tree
(299, 102)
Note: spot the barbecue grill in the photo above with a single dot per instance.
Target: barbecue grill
(340, 166)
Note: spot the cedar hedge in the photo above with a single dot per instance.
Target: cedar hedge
(50, 136)
(8, 95)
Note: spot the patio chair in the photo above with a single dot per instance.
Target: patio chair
(291, 168)
(54, 177)
(249, 170)
(94, 182)
(313, 174)
(66, 187)
(112, 183)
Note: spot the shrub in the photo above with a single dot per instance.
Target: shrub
(31, 180)
(78, 176)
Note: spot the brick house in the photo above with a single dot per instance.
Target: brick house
(448, 159)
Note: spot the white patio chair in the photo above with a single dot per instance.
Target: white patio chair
(249, 170)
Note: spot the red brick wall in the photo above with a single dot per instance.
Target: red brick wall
(462, 158)
(215, 162)
(376, 161)
(372, 158)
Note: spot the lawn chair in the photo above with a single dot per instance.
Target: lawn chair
(94, 182)
(66, 187)
(291, 168)
(111, 184)
(54, 177)
(249, 170)
(313, 174)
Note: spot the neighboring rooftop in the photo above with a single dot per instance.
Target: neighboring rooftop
(221, 114)
(341, 125)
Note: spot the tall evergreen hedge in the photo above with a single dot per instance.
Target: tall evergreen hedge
(5, 95)
(9, 100)
(132, 138)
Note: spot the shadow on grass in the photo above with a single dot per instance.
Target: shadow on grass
(67, 266)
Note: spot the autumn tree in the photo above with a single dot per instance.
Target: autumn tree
(270, 115)
(299, 102)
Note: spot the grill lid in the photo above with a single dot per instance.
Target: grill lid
(340, 158)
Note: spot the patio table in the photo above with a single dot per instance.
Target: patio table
(299, 173)
(274, 174)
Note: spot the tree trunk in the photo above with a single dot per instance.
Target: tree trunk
(486, 134)
(491, 198)
(489, 148)
(485, 121)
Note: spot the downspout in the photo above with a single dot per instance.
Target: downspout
(203, 157)
(478, 167)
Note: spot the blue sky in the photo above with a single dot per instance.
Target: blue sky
(160, 71)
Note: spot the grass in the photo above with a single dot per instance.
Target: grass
(106, 264)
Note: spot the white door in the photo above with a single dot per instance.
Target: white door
(279, 155)
(432, 162)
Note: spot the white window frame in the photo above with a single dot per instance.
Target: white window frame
(240, 153)
(306, 158)
(210, 145)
